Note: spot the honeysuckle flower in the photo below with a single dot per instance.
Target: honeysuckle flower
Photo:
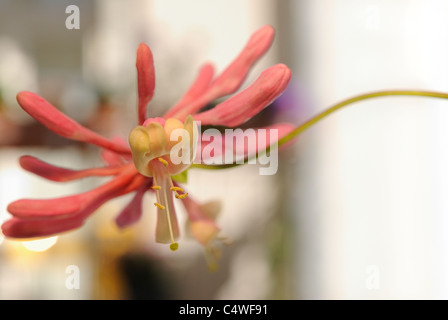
(146, 163)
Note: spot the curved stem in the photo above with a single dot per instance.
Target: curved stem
(304, 126)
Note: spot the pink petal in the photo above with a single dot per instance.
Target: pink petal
(133, 211)
(59, 123)
(47, 226)
(40, 227)
(233, 76)
(59, 174)
(136, 182)
(68, 205)
(228, 144)
(146, 80)
(19, 228)
(247, 103)
(32, 208)
(200, 85)
(111, 158)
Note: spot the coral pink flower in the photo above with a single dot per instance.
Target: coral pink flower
(146, 165)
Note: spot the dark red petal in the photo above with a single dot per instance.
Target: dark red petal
(133, 211)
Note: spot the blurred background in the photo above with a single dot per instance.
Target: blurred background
(358, 208)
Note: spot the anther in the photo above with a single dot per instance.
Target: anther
(181, 196)
(158, 205)
(177, 189)
(165, 163)
(156, 187)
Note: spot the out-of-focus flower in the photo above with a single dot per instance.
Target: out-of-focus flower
(145, 164)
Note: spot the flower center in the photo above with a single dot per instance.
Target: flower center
(170, 140)
(162, 148)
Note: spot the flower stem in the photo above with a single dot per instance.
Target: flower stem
(306, 125)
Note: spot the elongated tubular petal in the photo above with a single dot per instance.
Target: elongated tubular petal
(136, 182)
(146, 80)
(56, 121)
(41, 227)
(199, 86)
(132, 185)
(247, 103)
(133, 211)
(20, 228)
(65, 206)
(41, 208)
(59, 174)
(112, 158)
(227, 143)
(233, 76)
(31, 228)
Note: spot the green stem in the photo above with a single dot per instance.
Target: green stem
(301, 128)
